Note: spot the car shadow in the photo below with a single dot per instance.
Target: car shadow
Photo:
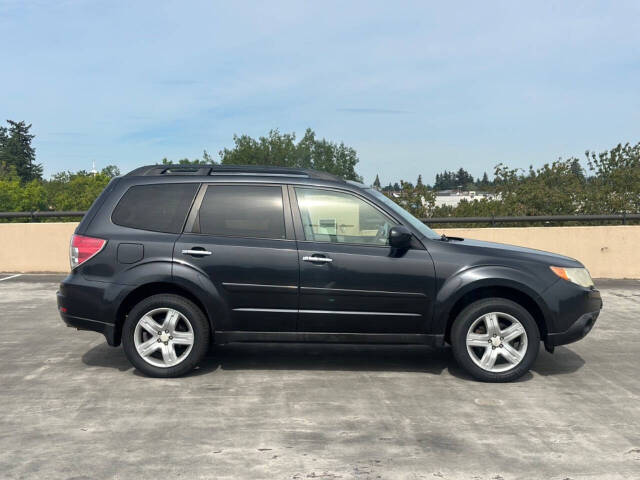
(561, 362)
(336, 357)
(339, 357)
(103, 355)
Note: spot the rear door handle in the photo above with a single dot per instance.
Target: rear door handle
(197, 252)
(317, 259)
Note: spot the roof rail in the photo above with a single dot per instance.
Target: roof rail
(249, 170)
(258, 170)
(170, 170)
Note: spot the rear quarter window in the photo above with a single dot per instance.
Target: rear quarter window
(158, 207)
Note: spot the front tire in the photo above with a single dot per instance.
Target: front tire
(165, 336)
(495, 340)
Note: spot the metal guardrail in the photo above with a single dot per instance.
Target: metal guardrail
(40, 214)
(623, 218)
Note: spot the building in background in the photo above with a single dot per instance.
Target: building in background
(452, 198)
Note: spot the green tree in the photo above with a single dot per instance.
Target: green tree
(277, 149)
(452, 180)
(68, 191)
(553, 189)
(418, 200)
(615, 187)
(18, 196)
(577, 169)
(16, 151)
(207, 159)
(110, 171)
(376, 182)
(484, 183)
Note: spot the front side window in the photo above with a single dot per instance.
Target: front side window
(329, 216)
(252, 211)
(413, 221)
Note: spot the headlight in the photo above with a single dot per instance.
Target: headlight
(579, 276)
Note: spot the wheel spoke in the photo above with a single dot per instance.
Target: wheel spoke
(171, 320)
(488, 360)
(150, 325)
(493, 327)
(169, 354)
(477, 340)
(512, 332)
(147, 348)
(156, 332)
(183, 338)
(510, 354)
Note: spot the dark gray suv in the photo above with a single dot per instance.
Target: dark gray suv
(170, 259)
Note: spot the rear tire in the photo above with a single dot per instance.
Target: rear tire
(165, 336)
(495, 340)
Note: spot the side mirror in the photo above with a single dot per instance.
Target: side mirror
(400, 237)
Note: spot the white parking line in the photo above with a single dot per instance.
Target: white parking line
(9, 278)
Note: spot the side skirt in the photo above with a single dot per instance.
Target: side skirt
(322, 337)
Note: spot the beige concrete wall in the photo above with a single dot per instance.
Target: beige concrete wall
(608, 252)
(35, 247)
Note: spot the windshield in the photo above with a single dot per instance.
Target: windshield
(415, 223)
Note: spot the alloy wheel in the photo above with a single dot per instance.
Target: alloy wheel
(163, 337)
(496, 342)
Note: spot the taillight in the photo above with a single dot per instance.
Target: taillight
(83, 248)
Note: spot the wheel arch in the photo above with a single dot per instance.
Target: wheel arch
(477, 284)
(154, 288)
(508, 293)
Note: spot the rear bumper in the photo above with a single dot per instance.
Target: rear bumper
(107, 329)
(88, 305)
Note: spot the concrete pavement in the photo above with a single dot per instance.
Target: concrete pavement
(73, 408)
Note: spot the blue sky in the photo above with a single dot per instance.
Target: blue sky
(413, 87)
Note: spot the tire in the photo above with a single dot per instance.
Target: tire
(182, 328)
(495, 340)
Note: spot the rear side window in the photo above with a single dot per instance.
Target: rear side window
(160, 207)
(242, 211)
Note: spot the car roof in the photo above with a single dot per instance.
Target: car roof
(231, 170)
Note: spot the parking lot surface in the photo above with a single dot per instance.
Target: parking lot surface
(73, 407)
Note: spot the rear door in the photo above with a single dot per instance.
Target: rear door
(351, 280)
(242, 237)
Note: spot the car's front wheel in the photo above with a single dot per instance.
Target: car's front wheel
(165, 336)
(495, 340)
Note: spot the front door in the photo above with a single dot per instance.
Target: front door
(240, 237)
(351, 280)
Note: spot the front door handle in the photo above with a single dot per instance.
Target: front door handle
(195, 251)
(317, 259)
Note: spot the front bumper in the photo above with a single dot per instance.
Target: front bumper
(579, 329)
(577, 311)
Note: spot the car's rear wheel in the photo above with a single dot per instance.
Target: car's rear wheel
(165, 336)
(495, 340)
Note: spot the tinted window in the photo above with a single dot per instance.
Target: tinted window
(161, 207)
(242, 211)
(329, 216)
